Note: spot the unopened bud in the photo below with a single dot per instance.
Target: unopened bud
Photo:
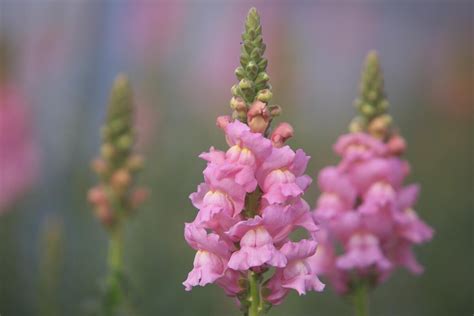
(245, 84)
(107, 151)
(380, 126)
(238, 104)
(252, 69)
(223, 121)
(275, 110)
(264, 95)
(121, 179)
(125, 142)
(281, 134)
(396, 145)
(357, 124)
(262, 77)
(367, 110)
(258, 117)
(235, 90)
(240, 72)
(96, 196)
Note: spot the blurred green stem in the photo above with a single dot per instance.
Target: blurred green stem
(114, 292)
(115, 248)
(361, 301)
(254, 295)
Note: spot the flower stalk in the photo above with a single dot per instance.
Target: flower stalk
(252, 198)
(115, 197)
(360, 300)
(255, 299)
(367, 189)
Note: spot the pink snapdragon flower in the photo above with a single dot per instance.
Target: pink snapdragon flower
(357, 147)
(365, 210)
(210, 262)
(298, 274)
(281, 176)
(18, 150)
(249, 204)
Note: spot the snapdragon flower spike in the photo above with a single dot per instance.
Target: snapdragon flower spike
(365, 209)
(116, 197)
(251, 199)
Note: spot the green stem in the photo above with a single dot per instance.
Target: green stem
(361, 301)
(115, 249)
(114, 292)
(254, 295)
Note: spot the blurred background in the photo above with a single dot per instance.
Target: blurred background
(58, 61)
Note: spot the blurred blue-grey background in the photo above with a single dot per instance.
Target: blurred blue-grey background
(180, 56)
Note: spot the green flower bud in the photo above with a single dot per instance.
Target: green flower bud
(264, 95)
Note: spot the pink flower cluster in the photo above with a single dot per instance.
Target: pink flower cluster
(365, 209)
(18, 150)
(249, 203)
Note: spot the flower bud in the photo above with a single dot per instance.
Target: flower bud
(396, 145)
(240, 72)
(379, 126)
(281, 134)
(258, 117)
(235, 90)
(107, 151)
(367, 110)
(275, 110)
(357, 124)
(124, 142)
(245, 84)
(121, 179)
(96, 196)
(264, 95)
(223, 121)
(238, 104)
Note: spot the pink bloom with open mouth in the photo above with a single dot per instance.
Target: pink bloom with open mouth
(363, 251)
(282, 176)
(357, 147)
(256, 249)
(18, 150)
(298, 274)
(338, 194)
(210, 262)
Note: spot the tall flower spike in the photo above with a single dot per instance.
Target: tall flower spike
(251, 198)
(372, 103)
(115, 197)
(368, 224)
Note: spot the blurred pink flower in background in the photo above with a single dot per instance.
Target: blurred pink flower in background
(18, 150)
(365, 209)
(146, 124)
(154, 27)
